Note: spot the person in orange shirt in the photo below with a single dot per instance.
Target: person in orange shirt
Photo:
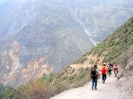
(104, 72)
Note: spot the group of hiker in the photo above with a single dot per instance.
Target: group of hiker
(105, 70)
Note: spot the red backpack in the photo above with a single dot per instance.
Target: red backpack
(103, 70)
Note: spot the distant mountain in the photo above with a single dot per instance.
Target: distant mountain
(39, 37)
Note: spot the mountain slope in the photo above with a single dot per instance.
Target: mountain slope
(39, 37)
(116, 48)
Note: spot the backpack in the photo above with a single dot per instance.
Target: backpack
(103, 70)
(93, 72)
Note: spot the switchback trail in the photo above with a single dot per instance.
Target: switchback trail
(104, 91)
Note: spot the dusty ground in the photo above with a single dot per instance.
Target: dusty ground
(104, 91)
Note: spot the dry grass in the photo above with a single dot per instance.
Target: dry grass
(37, 90)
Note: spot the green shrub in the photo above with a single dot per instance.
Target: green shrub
(10, 93)
(71, 79)
(48, 78)
(82, 75)
(132, 20)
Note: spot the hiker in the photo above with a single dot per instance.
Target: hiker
(94, 76)
(115, 69)
(110, 68)
(104, 72)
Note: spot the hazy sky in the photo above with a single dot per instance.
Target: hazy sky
(1, 1)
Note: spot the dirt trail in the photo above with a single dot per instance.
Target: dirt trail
(104, 91)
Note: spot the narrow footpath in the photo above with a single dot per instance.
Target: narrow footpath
(104, 91)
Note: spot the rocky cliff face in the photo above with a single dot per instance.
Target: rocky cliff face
(39, 37)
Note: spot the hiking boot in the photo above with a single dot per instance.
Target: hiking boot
(95, 88)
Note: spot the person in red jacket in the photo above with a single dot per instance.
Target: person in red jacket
(115, 69)
(104, 72)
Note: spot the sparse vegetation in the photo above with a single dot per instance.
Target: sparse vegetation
(10, 93)
(81, 60)
(117, 43)
(48, 78)
(37, 90)
(91, 62)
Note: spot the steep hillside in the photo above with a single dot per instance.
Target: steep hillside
(39, 37)
(116, 48)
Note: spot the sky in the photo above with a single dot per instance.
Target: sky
(1, 1)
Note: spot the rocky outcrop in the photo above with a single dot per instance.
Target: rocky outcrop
(16, 74)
